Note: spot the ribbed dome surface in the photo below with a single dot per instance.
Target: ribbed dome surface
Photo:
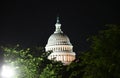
(58, 39)
(59, 44)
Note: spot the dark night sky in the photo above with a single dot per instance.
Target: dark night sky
(31, 22)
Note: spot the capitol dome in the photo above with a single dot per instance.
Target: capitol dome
(58, 39)
(59, 44)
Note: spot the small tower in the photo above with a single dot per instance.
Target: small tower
(59, 44)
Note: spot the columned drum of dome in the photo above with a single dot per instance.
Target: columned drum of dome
(59, 44)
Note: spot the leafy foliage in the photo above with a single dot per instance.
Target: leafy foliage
(52, 71)
(29, 65)
(102, 60)
(26, 65)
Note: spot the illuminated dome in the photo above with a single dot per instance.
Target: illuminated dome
(58, 39)
(59, 44)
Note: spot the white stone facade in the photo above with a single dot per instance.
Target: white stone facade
(59, 44)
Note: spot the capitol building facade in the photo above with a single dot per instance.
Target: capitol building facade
(60, 46)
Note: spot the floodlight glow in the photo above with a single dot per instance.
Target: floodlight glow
(7, 71)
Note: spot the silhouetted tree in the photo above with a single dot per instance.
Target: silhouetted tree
(103, 59)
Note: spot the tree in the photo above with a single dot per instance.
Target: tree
(75, 69)
(29, 65)
(102, 60)
(52, 70)
(26, 64)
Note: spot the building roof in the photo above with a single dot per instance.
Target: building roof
(58, 37)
